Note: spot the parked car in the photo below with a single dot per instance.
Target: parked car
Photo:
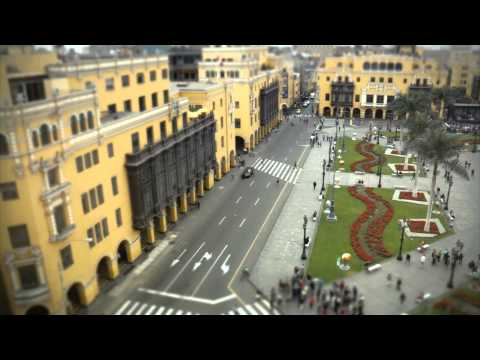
(248, 172)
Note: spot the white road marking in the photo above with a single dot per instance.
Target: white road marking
(179, 312)
(208, 272)
(169, 312)
(238, 200)
(251, 310)
(150, 310)
(241, 224)
(284, 171)
(175, 261)
(231, 312)
(298, 175)
(263, 166)
(261, 309)
(189, 313)
(256, 162)
(184, 267)
(274, 168)
(292, 175)
(132, 309)
(125, 305)
(256, 202)
(253, 182)
(241, 311)
(270, 167)
(221, 221)
(160, 311)
(225, 268)
(141, 309)
(268, 185)
(279, 170)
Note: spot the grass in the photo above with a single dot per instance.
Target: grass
(333, 239)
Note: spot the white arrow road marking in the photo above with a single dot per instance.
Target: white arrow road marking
(221, 221)
(174, 262)
(243, 222)
(268, 185)
(225, 268)
(187, 298)
(207, 256)
(208, 272)
(253, 182)
(256, 202)
(236, 202)
(184, 267)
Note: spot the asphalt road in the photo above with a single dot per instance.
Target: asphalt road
(211, 243)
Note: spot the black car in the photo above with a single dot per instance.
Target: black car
(248, 172)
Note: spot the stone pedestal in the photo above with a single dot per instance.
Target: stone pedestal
(183, 203)
(172, 213)
(200, 191)
(150, 233)
(209, 180)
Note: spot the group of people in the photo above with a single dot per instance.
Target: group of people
(468, 166)
(309, 292)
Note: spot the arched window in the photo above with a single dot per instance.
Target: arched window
(339, 65)
(390, 66)
(91, 125)
(374, 66)
(83, 123)
(366, 66)
(3, 145)
(398, 67)
(74, 125)
(35, 139)
(54, 133)
(383, 66)
(45, 134)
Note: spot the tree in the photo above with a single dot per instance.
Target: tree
(445, 96)
(412, 103)
(438, 148)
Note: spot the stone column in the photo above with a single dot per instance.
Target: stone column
(193, 196)
(219, 172)
(172, 212)
(200, 188)
(163, 222)
(209, 180)
(150, 232)
(183, 203)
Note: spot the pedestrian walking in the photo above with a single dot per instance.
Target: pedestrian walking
(389, 279)
(273, 297)
(278, 181)
(399, 283)
(460, 258)
(422, 260)
(295, 165)
(403, 297)
(314, 185)
(198, 204)
(408, 258)
(355, 293)
(473, 172)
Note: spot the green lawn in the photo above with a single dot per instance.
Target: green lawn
(333, 239)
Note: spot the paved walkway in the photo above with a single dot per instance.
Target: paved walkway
(284, 246)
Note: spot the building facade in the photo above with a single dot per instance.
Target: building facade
(362, 86)
(464, 65)
(93, 171)
(183, 60)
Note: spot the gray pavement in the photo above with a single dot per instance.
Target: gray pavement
(284, 245)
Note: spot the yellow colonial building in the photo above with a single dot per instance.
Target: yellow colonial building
(465, 71)
(97, 158)
(362, 86)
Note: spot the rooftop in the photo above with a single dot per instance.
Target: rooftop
(195, 86)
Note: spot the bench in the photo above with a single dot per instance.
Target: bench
(424, 247)
(373, 268)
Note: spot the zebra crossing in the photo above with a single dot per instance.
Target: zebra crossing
(138, 308)
(278, 169)
(261, 307)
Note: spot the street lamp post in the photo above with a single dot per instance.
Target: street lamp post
(343, 139)
(450, 183)
(378, 137)
(454, 264)
(379, 173)
(323, 176)
(304, 252)
(404, 225)
(329, 151)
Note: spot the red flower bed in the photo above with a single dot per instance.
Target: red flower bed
(369, 158)
(408, 195)
(402, 167)
(418, 226)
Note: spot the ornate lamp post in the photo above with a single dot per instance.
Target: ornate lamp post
(329, 152)
(379, 173)
(343, 138)
(454, 264)
(323, 176)
(304, 252)
(450, 183)
(404, 225)
(378, 137)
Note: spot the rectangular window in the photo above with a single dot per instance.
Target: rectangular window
(150, 135)
(118, 216)
(53, 177)
(221, 102)
(357, 98)
(184, 120)
(174, 125)
(105, 227)
(164, 74)
(380, 99)
(372, 79)
(100, 194)
(237, 123)
(85, 206)
(109, 84)
(327, 97)
(98, 232)
(213, 106)
(425, 82)
(223, 145)
(154, 100)
(125, 80)
(369, 99)
(112, 109)
(95, 157)
(127, 106)
(67, 257)
(114, 185)
(93, 199)
(237, 105)
(110, 150)
(163, 131)
(59, 215)
(18, 236)
(135, 142)
(390, 80)
(28, 276)
(91, 235)
(221, 122)
(165, 97)
(9, 191)
(141, 103)
(140, 78)
(153, 75)
(390, 99)
(88, 160)
(79, 162)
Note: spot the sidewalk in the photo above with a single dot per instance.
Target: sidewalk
(284, 245)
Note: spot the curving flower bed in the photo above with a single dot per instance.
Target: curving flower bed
(401, 167)
(370, 160)
(417, 226)
(408, 195)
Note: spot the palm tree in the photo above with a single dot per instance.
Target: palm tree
(412, 103)
(438, 148)
(443, 97)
